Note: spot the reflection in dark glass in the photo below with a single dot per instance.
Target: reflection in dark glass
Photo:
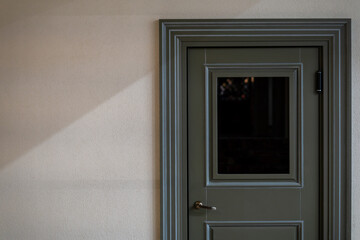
(253, 125)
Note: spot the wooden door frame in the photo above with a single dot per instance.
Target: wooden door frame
(331, 36)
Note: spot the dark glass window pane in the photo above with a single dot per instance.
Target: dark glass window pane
(253, 125)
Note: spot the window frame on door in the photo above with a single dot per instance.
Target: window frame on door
(331, 36)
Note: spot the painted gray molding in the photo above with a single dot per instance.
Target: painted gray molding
(298, 225)
(294, 73)
(330, 35)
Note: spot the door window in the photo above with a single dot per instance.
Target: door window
(253, 125)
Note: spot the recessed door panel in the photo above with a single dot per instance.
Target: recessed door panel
(232, 233)
(255, 231)
(253, 152)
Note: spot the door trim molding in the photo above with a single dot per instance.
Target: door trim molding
(332, 36)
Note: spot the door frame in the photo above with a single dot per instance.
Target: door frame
(331, 36)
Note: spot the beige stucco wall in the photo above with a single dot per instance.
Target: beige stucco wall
(79, 125)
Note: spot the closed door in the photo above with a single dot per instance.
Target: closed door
(253, 143)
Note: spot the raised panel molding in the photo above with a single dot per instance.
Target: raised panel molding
(294, 73)
(331, 35)
(297, 226)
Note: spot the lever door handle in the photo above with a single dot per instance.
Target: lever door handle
(199, 205)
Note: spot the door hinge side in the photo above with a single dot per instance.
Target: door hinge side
(319, 82)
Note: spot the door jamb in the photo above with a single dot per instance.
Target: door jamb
(330, 35)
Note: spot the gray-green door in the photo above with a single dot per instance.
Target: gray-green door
(253, 143)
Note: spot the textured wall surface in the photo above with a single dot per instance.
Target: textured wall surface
(79, 125)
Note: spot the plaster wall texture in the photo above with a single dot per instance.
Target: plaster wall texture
(79, 111)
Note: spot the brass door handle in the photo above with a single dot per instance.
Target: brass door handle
(199, 205)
